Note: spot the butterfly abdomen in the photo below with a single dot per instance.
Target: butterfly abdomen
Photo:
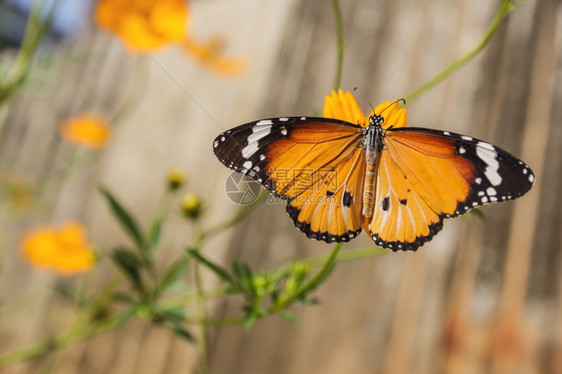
(369, 190)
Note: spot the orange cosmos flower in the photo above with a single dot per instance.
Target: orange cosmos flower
(144, 24)
(342, 105)
(63, 250)
(86, 130)
(210, 54)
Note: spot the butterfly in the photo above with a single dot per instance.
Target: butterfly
(397, 183)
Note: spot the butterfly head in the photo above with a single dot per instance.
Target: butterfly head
(376, 120)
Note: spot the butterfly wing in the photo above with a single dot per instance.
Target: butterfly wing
(427, 175)
(316, 164)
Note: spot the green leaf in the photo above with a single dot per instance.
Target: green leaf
(318, 281)
(217, 269)
(130, 265)
(125, 219)
(287, 315)
(249, 321)
(181, 332)
(155, 233)
(174, 273)
(125, 317)
(242, 271)
(175, 314)
(243, 274)
(124, 298)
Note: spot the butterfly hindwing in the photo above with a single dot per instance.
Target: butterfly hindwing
(427, 175)
(330, 208)
(314, 163)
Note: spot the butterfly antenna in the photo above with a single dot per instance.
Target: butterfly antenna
(357, 89)
(394, 102)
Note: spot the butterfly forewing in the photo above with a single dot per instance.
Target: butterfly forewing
(427, 175)
(317, 164)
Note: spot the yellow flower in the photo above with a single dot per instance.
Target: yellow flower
(176, 179)
(63, 250)
(210, 54)
(342, 105)
(144, 24)
(191, 206)
(86, 130)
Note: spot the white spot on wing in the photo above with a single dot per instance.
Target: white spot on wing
(531, 178)
(283, 119)
(259, 131)
(464, 137)
(493, 176)
(491, 191)
(247, 164)
(249, 150)
(462, 150)
(489, 156)
(478, 180)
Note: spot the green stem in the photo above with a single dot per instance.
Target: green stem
(61, 341)
(309, 284)
(506, 7)
(348, 255)
(313, 262)
(35, 29)
(340, 44)
(201, 302)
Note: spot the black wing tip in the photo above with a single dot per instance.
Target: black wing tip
(398, 245)
(324, 236)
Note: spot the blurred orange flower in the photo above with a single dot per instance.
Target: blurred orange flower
(210, 54)
(342, 105)
(63, 250)
(144, 24)
(86, 130)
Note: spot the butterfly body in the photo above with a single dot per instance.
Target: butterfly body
(372, 144)
(398, 183)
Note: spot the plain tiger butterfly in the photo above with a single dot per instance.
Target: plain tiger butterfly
(346, 172)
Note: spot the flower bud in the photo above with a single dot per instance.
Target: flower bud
(176, 179)
(191, 206)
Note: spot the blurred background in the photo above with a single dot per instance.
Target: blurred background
(484, 296)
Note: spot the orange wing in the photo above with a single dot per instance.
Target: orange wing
(424, 176)
(316, 164)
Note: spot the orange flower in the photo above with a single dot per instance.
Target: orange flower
(144, 24)
(210, 55)
(342, 105)
(63, 250)
(86, 130)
